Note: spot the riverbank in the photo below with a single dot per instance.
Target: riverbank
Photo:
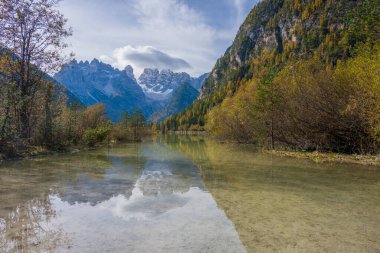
(23, 150)
(36, 151)
(320, 157)
(31, 152)
(179, 132)
(316, 156)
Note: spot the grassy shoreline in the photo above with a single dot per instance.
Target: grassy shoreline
(320, 157)
(316, 156)
(36, 151)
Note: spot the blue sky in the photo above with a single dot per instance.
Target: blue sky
(183, 35)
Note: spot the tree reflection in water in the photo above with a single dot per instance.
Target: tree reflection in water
(27, 189)
(27, 229)
(289, 205)
(133, 198)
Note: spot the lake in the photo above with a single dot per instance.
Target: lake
(187, 194)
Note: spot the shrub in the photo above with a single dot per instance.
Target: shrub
(91, 137)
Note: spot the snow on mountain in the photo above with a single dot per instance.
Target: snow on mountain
(159, 85)
(96, 82)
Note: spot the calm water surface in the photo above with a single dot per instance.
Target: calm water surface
(187, 194)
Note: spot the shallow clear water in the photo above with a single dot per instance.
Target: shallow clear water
(187, 194)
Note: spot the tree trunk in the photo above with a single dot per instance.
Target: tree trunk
(24, 121)
(48, 119)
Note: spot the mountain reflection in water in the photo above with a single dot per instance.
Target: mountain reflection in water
(187, 194)
(134, 198)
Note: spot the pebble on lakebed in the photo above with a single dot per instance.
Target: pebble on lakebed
(75, 151)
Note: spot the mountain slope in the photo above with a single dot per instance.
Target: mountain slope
(181, 98)
(71, 98)
(198, 82)
(288, 29)
(284, 31)
(155, 93)
(159, 85)
(96, 82)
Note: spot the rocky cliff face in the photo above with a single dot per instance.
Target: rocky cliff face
(95, 82)
(181, 98)
(277, 32)
(279, 26)
(159, 85)
(197, 83)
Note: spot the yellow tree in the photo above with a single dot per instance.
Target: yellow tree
(34, 32)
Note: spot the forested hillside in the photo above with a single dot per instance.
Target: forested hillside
(181, 98)
(300, 74)
(38, 114)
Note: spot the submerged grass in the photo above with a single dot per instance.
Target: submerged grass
(320, 157)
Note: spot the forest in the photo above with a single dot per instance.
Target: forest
(37, 113)
(319, 90)
(279, 152)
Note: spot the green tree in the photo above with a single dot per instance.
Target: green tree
(34, 32)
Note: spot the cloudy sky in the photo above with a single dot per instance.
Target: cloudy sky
(182, 35)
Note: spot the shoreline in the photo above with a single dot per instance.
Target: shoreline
(320, 157)
(316, 156)
(37, 151)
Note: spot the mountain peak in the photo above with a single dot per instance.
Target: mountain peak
(129, 71)
(98, 82)
(128, 68)
(159, 85)
(95, 62)
(167, 72)
(150, 71)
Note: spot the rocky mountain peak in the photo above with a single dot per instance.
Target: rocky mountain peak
(160, 84)
(129, 71)
(96, 82)
(95, 62)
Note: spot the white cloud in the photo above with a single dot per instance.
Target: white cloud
(242, 8)
(239, 5)
(174, 27)
(145, 57)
